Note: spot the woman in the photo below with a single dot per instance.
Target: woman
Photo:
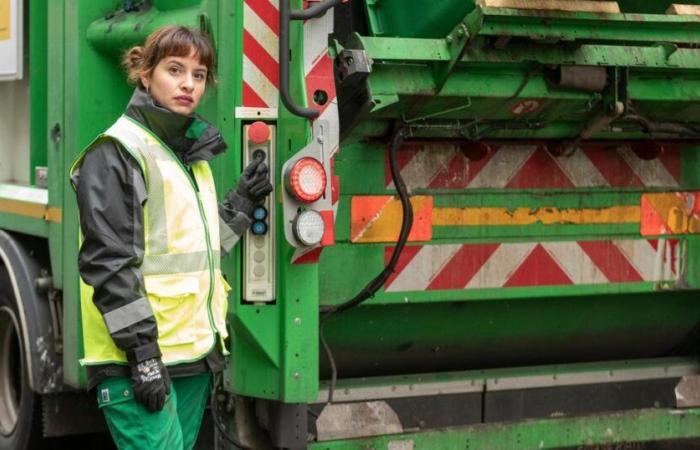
(153, 300)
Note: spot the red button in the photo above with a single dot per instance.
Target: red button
(259, 133)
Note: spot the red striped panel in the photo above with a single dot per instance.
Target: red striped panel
(403, 157)
(251, 98)
(455, 176)
(539, 172)
(262, 60)
(321, 78)
(463, 266)
(267, 12)
(311, 257)
(613, 167)
(671, 159)
(407, 255)
(538, 269)
(476, 166)
(610, 260)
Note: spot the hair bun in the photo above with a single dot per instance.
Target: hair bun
(133, 61)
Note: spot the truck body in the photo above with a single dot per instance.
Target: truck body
(503, 253)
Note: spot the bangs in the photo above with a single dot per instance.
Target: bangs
(180, 41)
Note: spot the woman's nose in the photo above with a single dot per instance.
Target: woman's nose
(188, 83)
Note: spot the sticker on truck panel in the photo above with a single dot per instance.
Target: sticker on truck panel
(670, 213)
(4, 20)
(525, 107)
(503, 265)
(438, 165)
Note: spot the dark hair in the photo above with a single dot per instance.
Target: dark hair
(171, 40)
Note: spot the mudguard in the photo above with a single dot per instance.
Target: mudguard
(43, 362)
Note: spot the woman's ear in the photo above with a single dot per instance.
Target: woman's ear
(145, 82)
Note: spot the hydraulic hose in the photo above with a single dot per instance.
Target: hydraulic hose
(377, 282)
(406, 225)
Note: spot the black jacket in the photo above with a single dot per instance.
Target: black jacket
(111, 194)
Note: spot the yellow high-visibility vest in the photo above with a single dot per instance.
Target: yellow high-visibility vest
(186, 292)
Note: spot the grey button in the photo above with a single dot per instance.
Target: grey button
(259, 256)
(259, 270)
(259, 241)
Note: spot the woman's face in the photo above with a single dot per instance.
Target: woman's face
(177, 83)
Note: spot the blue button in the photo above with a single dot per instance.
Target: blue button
(259, 228)
(260, 213)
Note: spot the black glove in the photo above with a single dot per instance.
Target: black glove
(151, 382)
(252, 188)
(255, 184)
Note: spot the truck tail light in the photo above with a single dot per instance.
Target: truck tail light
(309, 227)
(306, 180)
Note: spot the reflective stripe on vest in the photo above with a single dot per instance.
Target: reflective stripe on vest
(181, 263)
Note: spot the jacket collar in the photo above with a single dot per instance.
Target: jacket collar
(191, 137)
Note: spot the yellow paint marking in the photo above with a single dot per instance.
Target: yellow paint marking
(4, 20)
(672, 209)
(378, 219)
(32, 210)
(529, 216)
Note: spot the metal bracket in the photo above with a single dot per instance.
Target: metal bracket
(456, 43)
(615, 102)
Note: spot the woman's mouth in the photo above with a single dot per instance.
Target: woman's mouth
(185, 100)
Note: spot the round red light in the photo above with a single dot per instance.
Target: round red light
(258, 133)
(306, 180)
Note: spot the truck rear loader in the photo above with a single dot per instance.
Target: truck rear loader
(483, 234)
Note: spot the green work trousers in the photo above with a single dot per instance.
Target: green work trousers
(175, 427)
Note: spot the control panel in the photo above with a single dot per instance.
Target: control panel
(259, 240)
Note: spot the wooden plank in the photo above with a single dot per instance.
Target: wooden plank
(684, 10)
(595, 6)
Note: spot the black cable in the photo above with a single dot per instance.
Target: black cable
(378, 281)
(215, 415)
(334, 368)
(406, 225)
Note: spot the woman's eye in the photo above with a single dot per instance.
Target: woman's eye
(174, 70)
(199, 76)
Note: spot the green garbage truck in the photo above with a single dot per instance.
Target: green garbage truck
(483, 232)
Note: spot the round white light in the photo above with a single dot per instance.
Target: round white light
(309, 227)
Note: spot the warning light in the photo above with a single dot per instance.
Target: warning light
(306, 180)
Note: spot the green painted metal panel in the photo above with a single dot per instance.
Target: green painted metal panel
(275, 346)
(399, 18)
(571, 432)
(38, 76)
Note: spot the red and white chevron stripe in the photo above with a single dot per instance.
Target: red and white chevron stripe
(474, 266)
(260, 53)
(321, 95)
(530, 166)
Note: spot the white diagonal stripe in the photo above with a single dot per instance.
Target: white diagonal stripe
(316, 33)
(259, 82)
(427, 263)
(642, 256)
(501, 265)
(580, 170)
(577, 265)
(330, 115)
(261, 32)
(506, 162)
(652, 172)
(426, 165)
